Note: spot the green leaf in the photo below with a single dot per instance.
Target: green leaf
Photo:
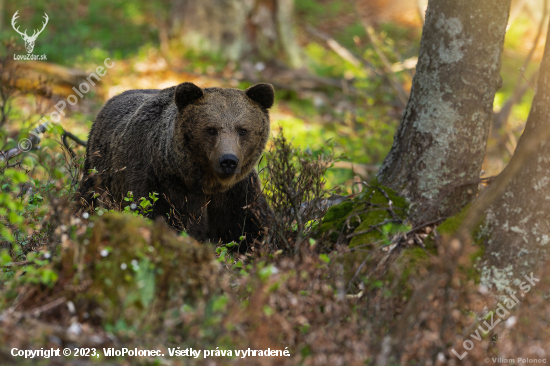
(15, 218)
(267, 310)
(57, 129)
(267, 271)
(220, 303)
(20, 177)
(5, 257)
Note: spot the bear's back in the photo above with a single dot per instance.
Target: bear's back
(125, 132)
(110, 121)
(119, 109)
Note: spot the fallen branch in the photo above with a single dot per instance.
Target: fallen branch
(14, 264)
(55, 303)
(402, 95)
(74, 138)
(8, 154)
(60, 79)
(321, 205)
(389, 69)
(373, 227)
(34, 138)
(407, 64)
(429, 223)
(360, 169)
(342, 51)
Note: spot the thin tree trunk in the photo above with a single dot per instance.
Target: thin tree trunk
(518, 222)
(235, 29)
(438, 150)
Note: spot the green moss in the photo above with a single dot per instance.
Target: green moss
(379, 213)
(133, 263)
(338, 212)
(471, 271)
(452, 224)
(377, 199)
(127, 271)
(335, 218)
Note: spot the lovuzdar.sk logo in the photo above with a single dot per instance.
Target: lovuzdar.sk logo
(29, 40)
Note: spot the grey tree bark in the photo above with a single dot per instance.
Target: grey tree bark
(436, 157)
(518, 221)
(235, 29)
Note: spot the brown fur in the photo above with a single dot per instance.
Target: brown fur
(161, 141)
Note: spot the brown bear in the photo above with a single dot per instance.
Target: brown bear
(197, 148)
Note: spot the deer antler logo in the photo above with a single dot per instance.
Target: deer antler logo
(29, 40)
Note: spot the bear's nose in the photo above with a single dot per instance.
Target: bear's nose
(229, 163)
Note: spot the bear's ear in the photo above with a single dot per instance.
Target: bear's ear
(263, 94)
(186, 93)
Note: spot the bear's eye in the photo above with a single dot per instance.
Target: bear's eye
(242, 132)
(212, 132)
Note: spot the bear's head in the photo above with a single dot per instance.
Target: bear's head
(224, 131)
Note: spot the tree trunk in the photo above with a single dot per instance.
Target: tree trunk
(436, 157)
(518, 222)
(235, 29)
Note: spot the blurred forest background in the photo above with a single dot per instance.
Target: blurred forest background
(343, 72)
